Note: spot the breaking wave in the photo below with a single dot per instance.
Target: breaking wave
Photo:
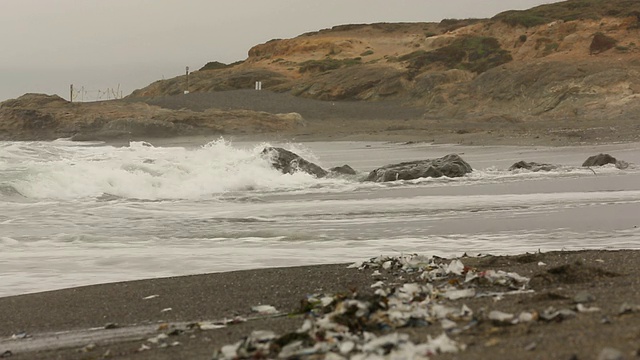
(70, 170)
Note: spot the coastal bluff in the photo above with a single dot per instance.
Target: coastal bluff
(566, 72)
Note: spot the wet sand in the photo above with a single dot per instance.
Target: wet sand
(57, 322)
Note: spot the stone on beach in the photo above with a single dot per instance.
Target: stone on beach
(343, 170)
(532, 166)
(604, 159)
(289, 162)
(451, 165)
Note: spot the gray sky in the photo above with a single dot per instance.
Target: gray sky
(102, 44)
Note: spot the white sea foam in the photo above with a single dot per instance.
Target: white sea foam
(78, 213)
(66, 170)
(142, 171)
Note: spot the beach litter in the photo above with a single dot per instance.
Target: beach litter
(20, 336)
(362, 326)
(264, 309)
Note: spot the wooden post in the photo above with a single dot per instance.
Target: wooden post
(71, 93)
(186, 91)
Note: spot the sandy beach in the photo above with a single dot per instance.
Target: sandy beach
(594, 293)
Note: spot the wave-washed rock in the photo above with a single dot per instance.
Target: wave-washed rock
(604, 159)
(532, 166)
(450, 165)
(289, 162)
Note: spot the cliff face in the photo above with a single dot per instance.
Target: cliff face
(575, 58)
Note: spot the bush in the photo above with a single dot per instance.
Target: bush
(550, 47)
(524, 19)
(474, 53)
(327, 64)
(367, 53)
(601, 43)
(570, 10)
(523, 38)
(214, 65)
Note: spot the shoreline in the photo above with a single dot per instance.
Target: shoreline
(128, 308)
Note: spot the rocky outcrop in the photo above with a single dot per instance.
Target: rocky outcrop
(44, 117)
(532, 166)
(289, 162)
(343, 170)
(604, 159)
(450, 165)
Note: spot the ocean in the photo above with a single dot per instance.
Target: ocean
(76, 214)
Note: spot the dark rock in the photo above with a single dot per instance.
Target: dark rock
(532, 166)
(604, 159)
(289, 162)
(450, 165)
(343, 170)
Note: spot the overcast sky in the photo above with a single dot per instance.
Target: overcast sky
(105, 44)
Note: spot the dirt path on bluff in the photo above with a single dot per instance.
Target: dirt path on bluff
(394, 121)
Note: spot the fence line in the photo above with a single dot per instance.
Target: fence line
(83, 95)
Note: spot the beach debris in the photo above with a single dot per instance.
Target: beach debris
(150, 297)
(583, 297)
(540, 263)
(627, 308)
(610, 354)
(158, 338)
(166, 310)
(586, 309)
(88, 348)
(264, 309)
(6, 354)
(206, 325)
(551, 313)
(501, 317)
(110, 326)
(144, 347)
(361, 326)
(20, 336)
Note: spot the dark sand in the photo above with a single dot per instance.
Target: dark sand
(611, 277)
